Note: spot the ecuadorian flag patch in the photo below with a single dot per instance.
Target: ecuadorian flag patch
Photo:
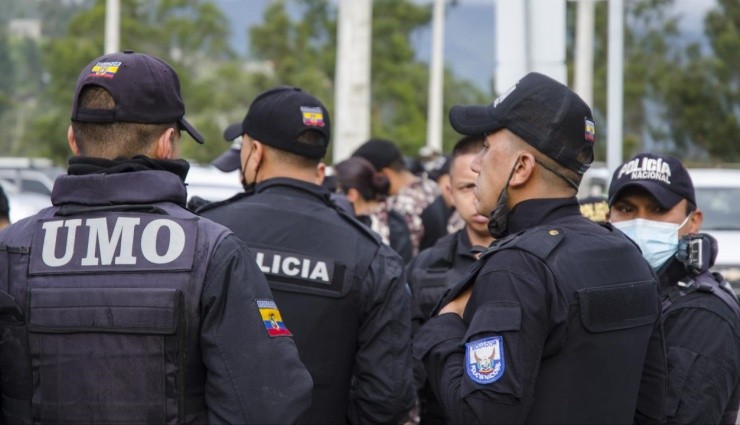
(105, 69)
(271, 318)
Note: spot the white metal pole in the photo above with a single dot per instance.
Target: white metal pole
(352, 82)
(615, 82)
(512, 51)
(436, 78)
(584, 54)
(112, 26)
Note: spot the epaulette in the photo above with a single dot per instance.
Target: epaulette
(212, 205)
(539, 241)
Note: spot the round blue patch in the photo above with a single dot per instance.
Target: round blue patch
(485, 359)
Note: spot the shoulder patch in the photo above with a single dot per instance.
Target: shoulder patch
(485, 361)
(272, 319)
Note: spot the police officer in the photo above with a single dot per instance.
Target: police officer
(437, 267)
(120, 306)
(557, 318)
(652, 200)
(341, 290)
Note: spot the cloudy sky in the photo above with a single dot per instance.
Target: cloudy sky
(469, 34)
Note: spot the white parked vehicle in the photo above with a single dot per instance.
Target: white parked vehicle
(23, 204)
(718, 196)
(210, 183)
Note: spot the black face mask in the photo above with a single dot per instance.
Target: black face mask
(248, 187)
(498, 222)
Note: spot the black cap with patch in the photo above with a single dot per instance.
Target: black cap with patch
(278, 116)
(663, 176)
(145, 90)
(545, 113)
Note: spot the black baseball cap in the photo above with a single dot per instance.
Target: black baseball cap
(231, 159)
(663, 176)
(144, 88)
(380, 152)
(545, 113)
(278, 116)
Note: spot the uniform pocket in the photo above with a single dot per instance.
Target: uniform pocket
(615, 307)
(104, 355)
(491, 353)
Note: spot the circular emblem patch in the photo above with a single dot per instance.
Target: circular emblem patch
(485, 359)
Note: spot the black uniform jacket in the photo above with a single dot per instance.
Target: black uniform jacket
(224, 351)
(702, 337)
(563, 315)
(436, 268)
(341, 292)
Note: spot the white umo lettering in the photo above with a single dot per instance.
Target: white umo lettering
(123, 232)
(149, 241)
(48, 252)
(306, 268)
(105, 244)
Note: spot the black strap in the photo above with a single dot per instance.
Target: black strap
(712, 283)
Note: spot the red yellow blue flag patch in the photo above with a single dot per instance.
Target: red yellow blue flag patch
(590, 130)
(312, 116)
(272, 319)
(105, 69)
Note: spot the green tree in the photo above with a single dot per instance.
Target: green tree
(679, 98)
(188, 34)
(302, 53)
(702, 95)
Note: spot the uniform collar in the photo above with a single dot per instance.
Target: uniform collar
(134, 187)
(464, 247)
(534, 212)
(294, 187)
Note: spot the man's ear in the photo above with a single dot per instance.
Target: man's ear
(320, 173)
(695, 222)
(164, 148)
(72, 141)
(523, 170)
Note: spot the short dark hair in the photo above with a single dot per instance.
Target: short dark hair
(308, 137)
(467, 145)
(112, 140)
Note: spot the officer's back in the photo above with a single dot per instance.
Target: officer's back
(340, 290)
(117, 305)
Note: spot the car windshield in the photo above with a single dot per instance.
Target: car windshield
(721, 207)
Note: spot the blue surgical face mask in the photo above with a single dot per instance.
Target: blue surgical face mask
(657, 240)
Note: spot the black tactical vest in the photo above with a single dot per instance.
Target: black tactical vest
(316, 283)
(99, 311)
(441, 268)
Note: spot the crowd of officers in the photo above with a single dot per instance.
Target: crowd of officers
(470, 291)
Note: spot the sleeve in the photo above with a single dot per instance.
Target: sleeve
(483, 369)
(400, 238)
(383, 388)
(251, 376)
(651, 397)
(703, 357)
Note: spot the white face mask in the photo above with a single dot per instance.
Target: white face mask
(657, 240)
